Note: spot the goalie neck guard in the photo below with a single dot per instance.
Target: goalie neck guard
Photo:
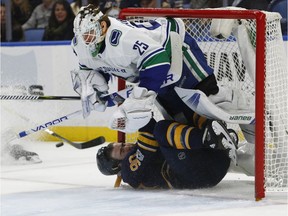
(87, 27)
(105, 163)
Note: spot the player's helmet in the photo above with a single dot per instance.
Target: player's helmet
(87, 27)
(105, 163)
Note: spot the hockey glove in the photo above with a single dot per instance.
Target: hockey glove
(90, 85)
(135, 112)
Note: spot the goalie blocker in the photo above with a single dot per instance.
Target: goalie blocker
(135, 112)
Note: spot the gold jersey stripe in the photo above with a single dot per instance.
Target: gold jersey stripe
(187, 137)
(168, 133)
(148, 141)
(147, 148)
(177, 137)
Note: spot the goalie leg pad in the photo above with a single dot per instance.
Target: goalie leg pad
(232, 99)
(222, 28)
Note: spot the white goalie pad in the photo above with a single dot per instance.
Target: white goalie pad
(200, 103)
(222, 28)
(245, 159)
(246, 48)
(135, 112)
(231, 99)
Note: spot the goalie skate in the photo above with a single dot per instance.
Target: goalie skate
(216, 136)
(22, 156)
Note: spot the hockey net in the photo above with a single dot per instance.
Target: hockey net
(270, 89)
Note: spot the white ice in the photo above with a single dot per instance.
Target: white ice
(68, 183)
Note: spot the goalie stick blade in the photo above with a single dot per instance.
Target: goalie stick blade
(200, 103)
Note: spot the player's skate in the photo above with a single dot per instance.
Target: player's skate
(217, 136)
(23, 156)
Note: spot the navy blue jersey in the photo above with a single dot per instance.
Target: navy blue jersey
(171, 155)
(142, 169)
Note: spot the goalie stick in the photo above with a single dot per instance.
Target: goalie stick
(91, 143)
(113, 98)
(45, 125)
(199, 103)
(38, 97)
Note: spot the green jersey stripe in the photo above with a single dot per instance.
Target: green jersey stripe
(193, 64)
(157, 59)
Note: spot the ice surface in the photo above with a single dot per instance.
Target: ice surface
(68, 183)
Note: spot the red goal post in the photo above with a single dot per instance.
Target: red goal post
(260, 22)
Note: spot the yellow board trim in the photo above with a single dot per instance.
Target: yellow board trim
(79, 133)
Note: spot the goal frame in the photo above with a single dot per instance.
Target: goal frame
(260, 19)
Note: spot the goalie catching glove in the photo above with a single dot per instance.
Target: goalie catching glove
(90, 85)
(135, 112)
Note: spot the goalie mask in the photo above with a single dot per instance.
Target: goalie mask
(105, 163)
(87, 28)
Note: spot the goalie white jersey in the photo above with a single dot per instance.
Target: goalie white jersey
(130, 49)
(157, 55)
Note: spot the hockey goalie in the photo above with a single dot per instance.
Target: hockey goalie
(167, 67)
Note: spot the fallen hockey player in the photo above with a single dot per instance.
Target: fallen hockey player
(168, 154)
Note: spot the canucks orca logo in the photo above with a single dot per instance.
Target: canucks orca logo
(115, 37)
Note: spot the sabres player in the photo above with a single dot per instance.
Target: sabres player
(156, 55)
(168, 154)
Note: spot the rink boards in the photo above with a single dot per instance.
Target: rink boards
(44, 68)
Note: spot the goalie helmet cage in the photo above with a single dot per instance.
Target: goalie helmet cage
(270, 85)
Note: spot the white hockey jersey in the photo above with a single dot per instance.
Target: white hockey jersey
(134, 51)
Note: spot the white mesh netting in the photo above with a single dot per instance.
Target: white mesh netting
(224, 56)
